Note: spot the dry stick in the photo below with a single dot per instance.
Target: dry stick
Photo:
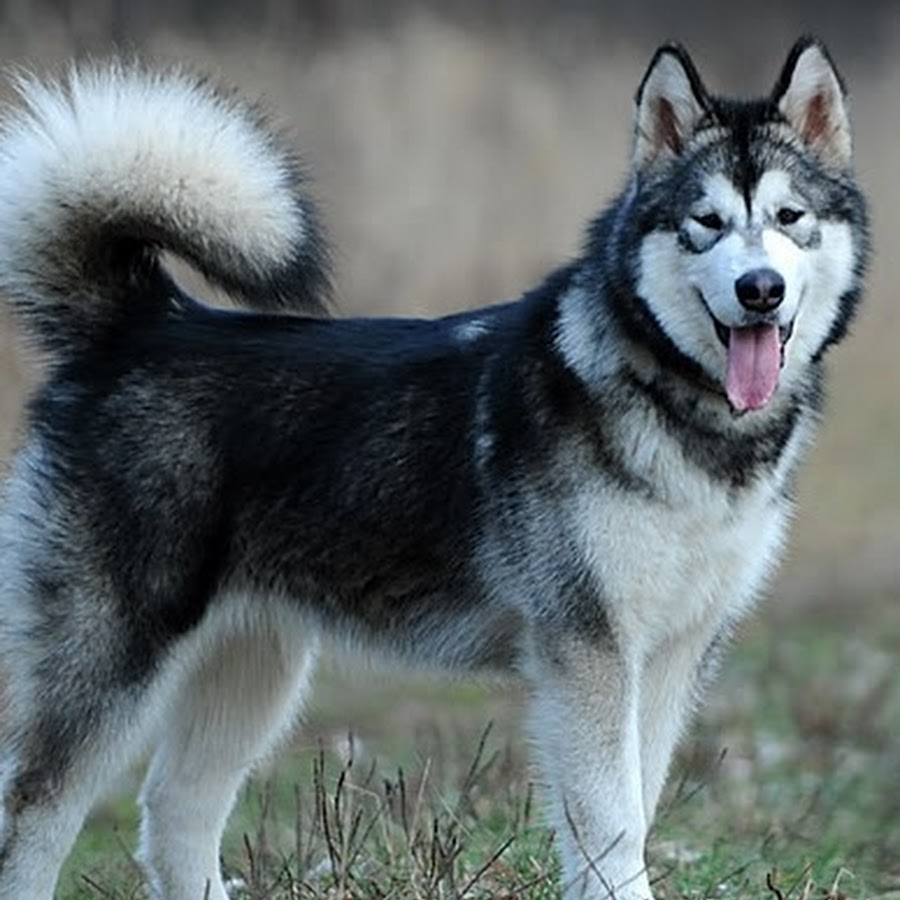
(322, 811)
(102, 891)
(773, 888)
(487, 865)
(680, 797)
(723, 879)
(835, 885)
(252, 862)
(804, 873)
(522, 889)
(418, 804)
(476, 771)
(356, 841)
(262, 852)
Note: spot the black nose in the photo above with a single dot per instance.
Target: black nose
(760, 290)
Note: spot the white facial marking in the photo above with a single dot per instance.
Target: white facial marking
(829, 277)
(754, 242)
(686, 289)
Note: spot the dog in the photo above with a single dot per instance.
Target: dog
(586, 487)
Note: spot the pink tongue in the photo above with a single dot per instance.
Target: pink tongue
(754, 362)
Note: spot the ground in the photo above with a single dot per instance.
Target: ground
(422, 790)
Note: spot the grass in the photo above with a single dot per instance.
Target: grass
(786, 788)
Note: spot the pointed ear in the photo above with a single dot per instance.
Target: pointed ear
(670, 102)
(811, 96)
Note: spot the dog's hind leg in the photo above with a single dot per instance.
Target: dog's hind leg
(247, 678)
(66, 732)
(38, 824)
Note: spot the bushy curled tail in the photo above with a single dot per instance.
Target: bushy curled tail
(105, 168)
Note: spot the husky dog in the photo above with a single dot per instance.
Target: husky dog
(586, 487)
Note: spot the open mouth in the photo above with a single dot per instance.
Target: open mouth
(723, 333)
(755, 357)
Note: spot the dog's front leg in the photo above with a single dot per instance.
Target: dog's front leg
(584, 718)
(669, 687)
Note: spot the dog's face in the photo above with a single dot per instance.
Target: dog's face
(754, 240)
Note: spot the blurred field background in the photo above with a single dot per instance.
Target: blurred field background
(458, 148)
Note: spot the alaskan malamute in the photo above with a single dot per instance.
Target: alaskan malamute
(586, 487)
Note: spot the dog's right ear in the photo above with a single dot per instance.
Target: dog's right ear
(669, 103)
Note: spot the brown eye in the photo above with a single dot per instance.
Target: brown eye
(788, 216)
(712, 221)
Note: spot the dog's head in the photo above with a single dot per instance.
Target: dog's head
(753, 234)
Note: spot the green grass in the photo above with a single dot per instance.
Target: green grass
(786, 787)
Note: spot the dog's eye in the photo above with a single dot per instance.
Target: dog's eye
(712, 221)
(788, 216)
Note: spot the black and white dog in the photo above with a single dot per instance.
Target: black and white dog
(586, 487)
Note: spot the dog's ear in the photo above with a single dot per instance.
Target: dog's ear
(669, 103)
(811, 96)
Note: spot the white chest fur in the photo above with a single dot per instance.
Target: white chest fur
(696, 552)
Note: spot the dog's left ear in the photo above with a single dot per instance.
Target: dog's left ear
(811, 96)
(669, 104)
